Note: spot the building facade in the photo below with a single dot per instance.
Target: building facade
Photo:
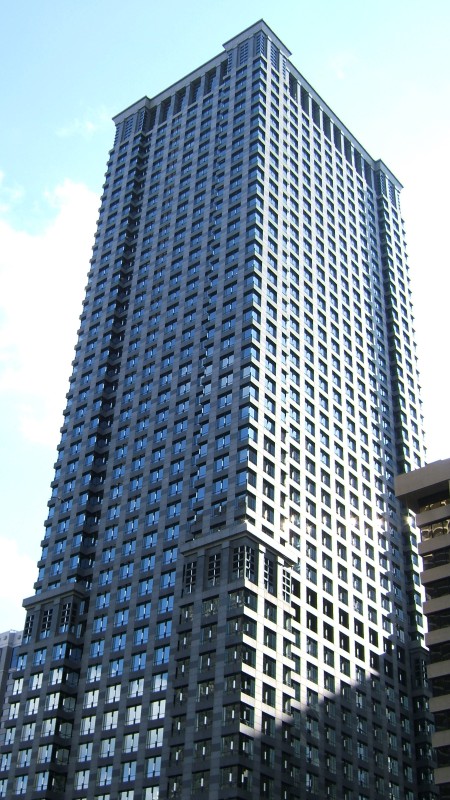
(9, 642)
(427, 493)
(226, 606)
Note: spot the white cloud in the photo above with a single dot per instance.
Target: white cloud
(43, 278)
(425, 206)
(86, 126)
(17, 575)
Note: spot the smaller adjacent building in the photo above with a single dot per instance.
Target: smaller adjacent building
(426, 492)
(9, 642)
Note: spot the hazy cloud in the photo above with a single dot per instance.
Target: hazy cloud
(18, 573)
(43, 278)
(9, 195)
(87, 126)
(341, 63)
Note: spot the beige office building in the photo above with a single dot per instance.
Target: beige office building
(426, 491)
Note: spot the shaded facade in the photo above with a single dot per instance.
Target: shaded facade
(427, 492)
(9, 642)
(226, 606)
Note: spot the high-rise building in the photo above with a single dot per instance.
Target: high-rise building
(9, 642)
(226, 604)
(426, 491)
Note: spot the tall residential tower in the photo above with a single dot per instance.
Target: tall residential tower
(226, 606)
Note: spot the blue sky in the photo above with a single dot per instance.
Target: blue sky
(66, 67)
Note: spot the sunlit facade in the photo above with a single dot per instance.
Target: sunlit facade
(226, 606)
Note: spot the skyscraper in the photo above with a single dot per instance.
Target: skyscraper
(226, 604)
(9, 642)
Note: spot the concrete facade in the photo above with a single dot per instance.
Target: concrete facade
(9, 642)
(427, 492)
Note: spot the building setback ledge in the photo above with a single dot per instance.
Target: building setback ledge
(412, 488)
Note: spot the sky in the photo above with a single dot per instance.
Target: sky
(66, 68)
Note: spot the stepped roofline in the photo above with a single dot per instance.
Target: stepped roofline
(255, 28)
